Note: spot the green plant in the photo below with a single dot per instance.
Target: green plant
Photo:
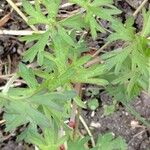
(109, 142)
(110, 109)
(97, 9)
(44, 105)
(93, 104)
(129, 66)
(92, 91)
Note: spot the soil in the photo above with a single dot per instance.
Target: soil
(121, 122)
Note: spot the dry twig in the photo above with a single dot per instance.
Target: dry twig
(140, 7)
(87, 129)
(62, 6)
(4, 20)
(13, 5)
(19, 32)
(101, 49)
(2, 121)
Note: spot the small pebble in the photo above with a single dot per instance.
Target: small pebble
(93, 114)
(95, 124)
(14, 50)
(134, 124)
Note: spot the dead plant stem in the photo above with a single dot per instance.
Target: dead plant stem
(140, 7)
(13, 5)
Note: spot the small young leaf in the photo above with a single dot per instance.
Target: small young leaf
(107, 141)
(37, 49)
(93, 104)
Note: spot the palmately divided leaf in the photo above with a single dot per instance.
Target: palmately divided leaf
(52, 7)
(37, 49)
(80, 142)
(19, 113)
(122, 32)
(31, 135)
(22, 109)
(36, 15)
(130, 64)
(95, 10)
(107, 141)
(50, 140)
(90, 75)
(52, 100)
(116, 58)
(106, 13)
